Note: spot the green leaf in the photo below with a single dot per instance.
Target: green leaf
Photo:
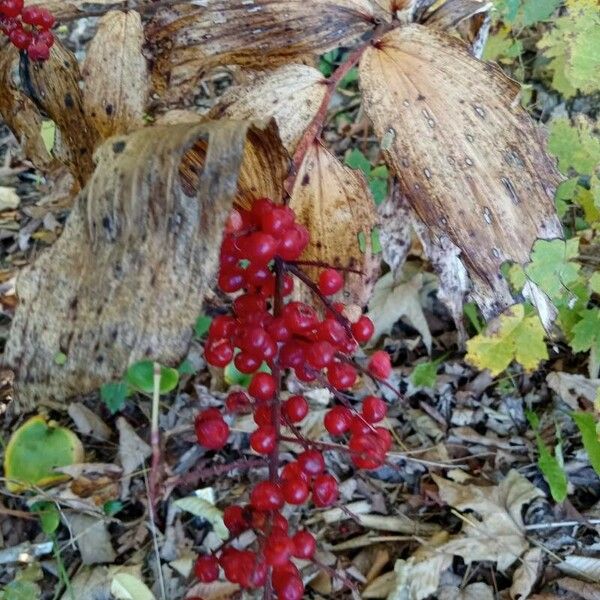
(512, 336)
(472, 313)
(114, 395)
(553, 471)
(112, 507)
(355, 159)
(586, 333)
(48, 133)
(140, 376)
(379, 189)
(234, 377)
(524, 13)
(502, 46)
(202, 325)
(21, 590)
(186, 368)
(589, 435)
(60, 358)
(49, 516)
(576, 146)
(594, 283)
(349, 78)
(550, 265)
(425, 374)
(201, 507)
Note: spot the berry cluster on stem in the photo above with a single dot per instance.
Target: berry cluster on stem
(28, 28)
(265, 335)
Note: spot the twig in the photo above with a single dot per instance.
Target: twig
(155, 469)
(202, 472)
(558, 524)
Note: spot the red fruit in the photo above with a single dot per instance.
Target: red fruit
(324, 490)
(37, 50)
(253, 339)
(341, 376)
(278, 330)
(222, 326)
(258, 247)
(231, 279)
(11, 8)
(374, 409)
(277, 221)
(299, 317)
(262, 387)
(280, 522)
(358, 426)
(368, 451)
(237, 402)
(292, 242)
(234, 519)
(259, 519)
(260, 207)
(330, 282)
(218, 353)
(320, 354)
(264, 439)
(337, 420)
(246, 363)
(266, 496)
(289, 587)
(331, 330)
(7, 24)
(295, 490)
(385, 437)
(258, 275)
(45, 19)
(363, 329)
(211, 432)
(263, 415)
(256, 572)
(292, 354)
(20, 38)
(278, 549)
(281, 574)
(293, 471)
(248, 304)
(380, 365)
(305, 373)
(230, 562)
(304, 545)
(206, 568)
(295, 408)
(311, 462)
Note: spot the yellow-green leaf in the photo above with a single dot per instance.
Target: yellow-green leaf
(512, 336)
(201, 507)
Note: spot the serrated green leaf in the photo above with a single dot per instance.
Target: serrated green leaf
(206, 510)
(575, 145)
(551, 267)
(114, 394)
(586, 333)
(512, 336)
(202, 325)
(49, 516)
(586, 423)
(553, 472)
(425, 374)
(140, 376)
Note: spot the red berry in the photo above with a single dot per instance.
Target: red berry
(331, 330)
(368, 451)
(292, 242)
(324, 490)
(231, 279)
(277, 221)
(266, 496)
(45, 19)
(263, 415)
(37, 50)
(245, 363)
(30, 14)
(206, 568)
(211, 432)
(295, 490)
(264, 439)
(237, 402)
(293, 471)
(385, 437)
(289, 587)
(320, 354)
(281, 575)
(253, 339)
(299, 317)
(262, 387)
(20, 38)
(247, 305)
(292, 354)
(363, 329)
(280, 522)
(305, 373)
(260, 207)
(380, 365)
(358, 426)
(330, 282)
(11, 8)
(278, 330)
(218, 353)
(230, 562)
(234, 223)
(234, 519)
(311, 462)
(256, 576)
(295, 408)
(374, 409)
(341, 376)
(278, 549)
(304, 545)
(337, 420)
(258, 275)
(259, 248)
(222, 326)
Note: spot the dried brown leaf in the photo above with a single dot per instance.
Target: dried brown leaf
(115, 74)
(290, 94)
(335, 204)
(188, 39)
(68, 9)
(145, 253)
(469, 159)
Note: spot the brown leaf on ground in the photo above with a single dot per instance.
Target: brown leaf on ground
(186, 40)
(55, 88)
(145, 254)
(68, 9)
(292, 95)
(115, 75)
(469, 159)
(335, 204)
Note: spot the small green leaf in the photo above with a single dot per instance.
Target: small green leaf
(472, 313)
(375, 242)
(355, 159)
(202, 325)
(206, 510)
(553, 471)
(587, 426)
(48, 133)
(49, 516)
(425, 374)
(114, 395)
(379, 189)
(586, 334)
(140, 376)
(60, 359)
(112, 507)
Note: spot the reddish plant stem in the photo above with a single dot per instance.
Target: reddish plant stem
(317, 263)
(204, 473)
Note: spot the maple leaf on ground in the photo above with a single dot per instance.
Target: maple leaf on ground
(514, 335)
(586, 334)
(574, 144)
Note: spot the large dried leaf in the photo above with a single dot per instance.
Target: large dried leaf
(69, 9)
(335, 204)
(116, 81)
(469, 159)
(187, 39)
(55, 88)
(144, 252)
(292, 95)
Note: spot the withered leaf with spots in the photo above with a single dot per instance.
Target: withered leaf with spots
(139, 251)
(469, 159)
(335, 204)
(187, 39)
(115, 75)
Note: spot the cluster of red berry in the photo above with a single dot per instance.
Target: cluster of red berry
(257, 261)
(27, 27)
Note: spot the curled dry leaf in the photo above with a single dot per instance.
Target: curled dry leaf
(526, 574)
(187, 39)
(144, 240)
(335, 204)
(469, 159)
(290, 94)
(115, 75)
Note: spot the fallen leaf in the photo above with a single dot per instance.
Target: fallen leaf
(571, 386)
(380, 587)
(9, 199)
(217, 590)
(115, 75)
(586, 591)
(450, 128)
(581, 567)
(291, 94)
(133, 451)
(127, 587)
(185, 40)
(94, 582)
(88, 422)
(475, 591)
(201, 507)
(527, 573)
(147, 227)
(67, 9)
(92, 539)
(335, 204)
